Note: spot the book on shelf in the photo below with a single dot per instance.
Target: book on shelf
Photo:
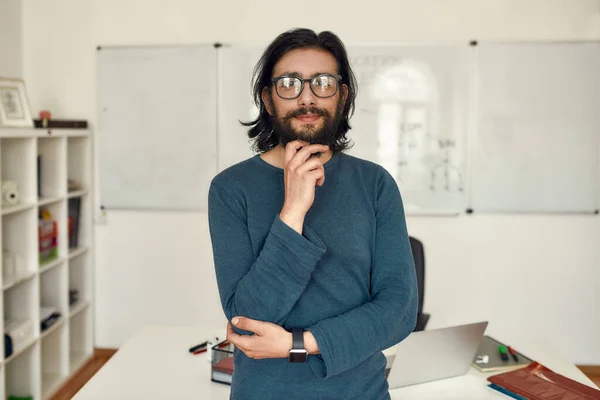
(60, 124)
(74, 216)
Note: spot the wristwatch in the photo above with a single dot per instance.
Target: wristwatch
(298, 353)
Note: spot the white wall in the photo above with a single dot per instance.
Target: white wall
(11, 42)
(529, 275)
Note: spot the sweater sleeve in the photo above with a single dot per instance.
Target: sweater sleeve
(265, 287)
(348, 339)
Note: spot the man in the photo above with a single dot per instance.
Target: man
(310, 244)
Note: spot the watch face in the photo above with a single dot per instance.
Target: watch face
(297, 355)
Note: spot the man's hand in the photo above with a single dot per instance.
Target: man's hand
(269, 340)
(301, 174)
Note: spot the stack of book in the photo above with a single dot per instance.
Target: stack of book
(536, 382)
(222, 362)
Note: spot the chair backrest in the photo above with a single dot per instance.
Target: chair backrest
(419, 257)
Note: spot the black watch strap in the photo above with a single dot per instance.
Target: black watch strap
(298, 353)
(297, 338)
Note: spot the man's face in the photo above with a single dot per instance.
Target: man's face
(308, 117)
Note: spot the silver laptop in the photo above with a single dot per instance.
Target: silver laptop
(435, 354)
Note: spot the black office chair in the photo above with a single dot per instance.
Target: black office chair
(419, 257)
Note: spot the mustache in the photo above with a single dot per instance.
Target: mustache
(305, 110)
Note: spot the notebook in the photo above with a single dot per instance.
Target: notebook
(489, 346)
(536, 382)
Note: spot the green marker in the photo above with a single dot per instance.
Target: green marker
(503, 353)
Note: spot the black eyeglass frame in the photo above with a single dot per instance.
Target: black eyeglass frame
(338, 80)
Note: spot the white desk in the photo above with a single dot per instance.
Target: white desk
(155, 364)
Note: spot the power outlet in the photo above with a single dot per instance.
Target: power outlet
(101, 217)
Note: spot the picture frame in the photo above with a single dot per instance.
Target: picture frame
(14, 104)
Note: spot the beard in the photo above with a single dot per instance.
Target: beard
(326, 134)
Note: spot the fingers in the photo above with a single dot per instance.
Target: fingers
(232, 335)
(305, 152)
(294, 157)
(312, 169)
(248, 324)
(318, 174)
(291, 148)
(310, 165)
(240, 341)
(267, 345)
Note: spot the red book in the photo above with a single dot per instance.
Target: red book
(225, 365)
(536, 382)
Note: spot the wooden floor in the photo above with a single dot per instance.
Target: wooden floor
(593, 372)
(101, 356)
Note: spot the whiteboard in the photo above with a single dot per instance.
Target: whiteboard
(496, 127)
(538, 124)
(157, 141)
(411, 117)
(421, 89)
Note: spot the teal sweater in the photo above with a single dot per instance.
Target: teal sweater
(349, 278)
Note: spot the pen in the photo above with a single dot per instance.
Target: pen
(198, 347)
(199, 351)
(503, 354)
(513, 353)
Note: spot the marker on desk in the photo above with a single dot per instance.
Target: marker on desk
(503, 354)
(198, 347)
(513, 353)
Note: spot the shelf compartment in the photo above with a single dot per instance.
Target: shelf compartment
(18, 165)
(19, 244)
(23, 373)
(51, 235)
(80, 339)
(20, 351)
(51, 170)
(53, 291)
(54, 353)
(78, 168)
(79, 278)
(21, 302)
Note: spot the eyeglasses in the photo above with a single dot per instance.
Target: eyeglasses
(290, 87)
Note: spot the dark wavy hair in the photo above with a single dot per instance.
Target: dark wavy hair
(261, 129)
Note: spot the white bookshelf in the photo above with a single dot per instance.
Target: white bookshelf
(50, 357)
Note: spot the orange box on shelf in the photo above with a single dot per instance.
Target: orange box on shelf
(47, 240)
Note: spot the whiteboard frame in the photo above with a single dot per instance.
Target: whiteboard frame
(102, 208)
